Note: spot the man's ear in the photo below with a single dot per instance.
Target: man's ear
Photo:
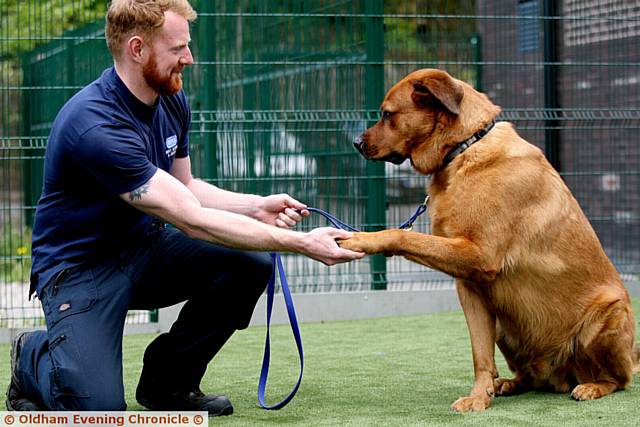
(135, 48)
(440, 86)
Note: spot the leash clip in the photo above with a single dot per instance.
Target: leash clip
(422, 208)
(426, 201)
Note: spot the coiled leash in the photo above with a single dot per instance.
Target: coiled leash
(276, 261)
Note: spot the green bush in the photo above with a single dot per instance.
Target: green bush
(15, 254)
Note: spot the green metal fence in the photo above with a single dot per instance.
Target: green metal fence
(280, 89)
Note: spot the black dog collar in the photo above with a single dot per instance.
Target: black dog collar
(459, 149)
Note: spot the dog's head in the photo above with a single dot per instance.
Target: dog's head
(424, 116)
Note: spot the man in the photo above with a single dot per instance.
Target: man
(116, 169)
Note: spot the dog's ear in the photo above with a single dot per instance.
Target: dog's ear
(443, 88)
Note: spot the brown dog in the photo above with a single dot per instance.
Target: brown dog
(531, 273)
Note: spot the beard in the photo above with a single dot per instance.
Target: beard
(164, 85)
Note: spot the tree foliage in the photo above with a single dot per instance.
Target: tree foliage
(25, 24)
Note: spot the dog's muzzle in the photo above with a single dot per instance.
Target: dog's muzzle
(395, 158)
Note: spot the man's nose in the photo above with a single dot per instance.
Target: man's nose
(187, 58)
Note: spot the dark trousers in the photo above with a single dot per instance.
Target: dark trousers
(76, 364)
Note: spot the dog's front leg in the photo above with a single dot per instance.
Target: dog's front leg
(458, 257)
(482, 330)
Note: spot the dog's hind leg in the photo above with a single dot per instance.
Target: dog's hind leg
(509, 387)
(506, 386)
(593, 391)
(605, 363)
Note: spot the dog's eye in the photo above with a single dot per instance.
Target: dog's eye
(386, 114)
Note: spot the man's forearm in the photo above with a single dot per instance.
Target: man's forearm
(237, 231)
(165, 197)
(211, 196)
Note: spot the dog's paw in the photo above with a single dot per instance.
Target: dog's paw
(471, 404)
(505, 387)
(350, 244)
(587, 391)
(369, 243)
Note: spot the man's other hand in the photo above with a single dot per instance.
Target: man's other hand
(280, 210)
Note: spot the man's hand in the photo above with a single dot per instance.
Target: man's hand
(280, 210)
(321, 245)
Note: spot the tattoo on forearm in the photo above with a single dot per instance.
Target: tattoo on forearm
(138, 192)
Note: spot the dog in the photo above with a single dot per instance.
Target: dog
(531, 275)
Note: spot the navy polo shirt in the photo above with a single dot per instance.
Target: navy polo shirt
(104, 142)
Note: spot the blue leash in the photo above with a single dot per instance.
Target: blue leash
(333, 220)
(277, 266)
(407, 225)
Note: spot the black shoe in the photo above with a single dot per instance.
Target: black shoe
(16, 401)
(151, 398)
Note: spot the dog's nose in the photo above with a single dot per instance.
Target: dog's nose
(358, 142)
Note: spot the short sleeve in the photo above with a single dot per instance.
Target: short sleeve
(115, 156)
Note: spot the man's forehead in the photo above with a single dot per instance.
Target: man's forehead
(175, 29)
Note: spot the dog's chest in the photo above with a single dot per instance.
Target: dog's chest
(441, 207)
(437, 211)
(451, 203)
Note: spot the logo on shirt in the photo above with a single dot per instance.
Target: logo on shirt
(172, 145)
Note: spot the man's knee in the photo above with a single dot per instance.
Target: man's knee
(248, 284)
(107, 402)
(262, 267)
(97, 403)
(253, 278)
(73, 394)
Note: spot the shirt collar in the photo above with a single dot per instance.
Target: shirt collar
(141, 110)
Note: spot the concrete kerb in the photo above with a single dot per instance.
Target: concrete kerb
(324, 307)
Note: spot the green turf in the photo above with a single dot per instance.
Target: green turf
(403, 371)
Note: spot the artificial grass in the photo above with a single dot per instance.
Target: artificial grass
(403, 371)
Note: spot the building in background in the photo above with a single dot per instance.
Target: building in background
(569, 78)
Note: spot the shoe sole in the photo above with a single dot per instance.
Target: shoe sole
(227, 410)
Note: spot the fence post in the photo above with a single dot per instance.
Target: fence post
(551, 105)
(476, 52)
(206, 39)
(374, 92)
(27, 160)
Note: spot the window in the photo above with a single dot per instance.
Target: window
(528, 25)
(592, 21)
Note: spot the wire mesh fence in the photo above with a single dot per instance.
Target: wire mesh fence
(280, 88)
